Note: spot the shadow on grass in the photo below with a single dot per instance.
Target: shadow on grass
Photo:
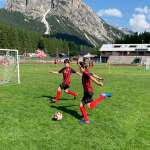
(51, 98)
(46, 96)
(69, 111)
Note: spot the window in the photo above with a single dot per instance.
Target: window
(117, 46)
(132, 46)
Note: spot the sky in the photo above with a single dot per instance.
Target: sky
(131, 14)
(2, 3)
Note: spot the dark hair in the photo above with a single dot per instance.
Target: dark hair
(83, 65)
(66, 61)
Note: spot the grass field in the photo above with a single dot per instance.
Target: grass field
(119, 123)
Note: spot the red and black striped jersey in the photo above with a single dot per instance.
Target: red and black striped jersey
(67, 71)
(86, 81)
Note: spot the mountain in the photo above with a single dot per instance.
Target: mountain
(66, 18)
(126, 31)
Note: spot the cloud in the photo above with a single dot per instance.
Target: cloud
(144, 10)
(140, 20)
(139, 23)
(110, 12)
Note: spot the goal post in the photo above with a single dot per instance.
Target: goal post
(147, 63)
(9, 66)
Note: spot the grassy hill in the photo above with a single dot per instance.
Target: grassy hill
(19, 20)
(66, 28)
(24, 34)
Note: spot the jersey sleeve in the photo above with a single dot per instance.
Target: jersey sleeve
(88, 74)
(73, 71)
(61, 71)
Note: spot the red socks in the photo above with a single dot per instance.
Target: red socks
(84, 113)
(58, 95)
(67, 91)
(96, 102)
(71, 92)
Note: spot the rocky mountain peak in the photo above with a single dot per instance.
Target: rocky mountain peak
(81, 16)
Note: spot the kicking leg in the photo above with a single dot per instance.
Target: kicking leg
(102, 97)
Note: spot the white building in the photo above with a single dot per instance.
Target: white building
(124, 53)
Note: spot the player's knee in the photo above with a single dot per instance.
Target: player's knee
(66, 90)
(81, 105)
(59, 89)
(89, 105)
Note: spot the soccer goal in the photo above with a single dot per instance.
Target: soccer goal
(9, 66)
(147, 63)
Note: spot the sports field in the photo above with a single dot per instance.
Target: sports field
(119, 123)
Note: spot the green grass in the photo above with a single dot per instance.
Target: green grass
(119, 123)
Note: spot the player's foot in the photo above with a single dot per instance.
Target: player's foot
(75, 97)
(54, 100)
(106, 95)
(85, 121)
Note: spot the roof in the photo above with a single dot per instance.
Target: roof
(125, 47)
(88, 55)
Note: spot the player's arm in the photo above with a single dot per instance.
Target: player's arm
(97, 77)
(78, 73)
(95, 81)
(55, 72)
(61, 70)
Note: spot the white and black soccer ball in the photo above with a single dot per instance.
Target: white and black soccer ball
(58, 116)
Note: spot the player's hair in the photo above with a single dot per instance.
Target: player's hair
(83, 65)
(66, 61)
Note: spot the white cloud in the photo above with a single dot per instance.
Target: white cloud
(144, 10)
(110, 12)
(139, 23)
(140, 20)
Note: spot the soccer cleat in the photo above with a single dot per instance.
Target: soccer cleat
(85, 121)
(106, 94)
(75, 97)
(54, 100)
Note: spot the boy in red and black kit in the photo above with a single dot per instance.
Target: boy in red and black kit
(66, 71)
(87, 79)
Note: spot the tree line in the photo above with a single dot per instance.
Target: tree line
(27, 41)
(135, 38)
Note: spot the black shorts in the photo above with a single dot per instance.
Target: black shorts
(64, 86)
(87, 98)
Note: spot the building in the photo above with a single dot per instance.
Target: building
(125, 53)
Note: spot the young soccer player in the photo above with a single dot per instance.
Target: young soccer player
(66, 71)
(87, 79)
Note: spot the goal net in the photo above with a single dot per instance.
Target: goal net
(9, 66)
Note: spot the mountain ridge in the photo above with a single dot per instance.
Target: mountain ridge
(81, 16)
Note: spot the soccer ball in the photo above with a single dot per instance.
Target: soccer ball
(58, 116)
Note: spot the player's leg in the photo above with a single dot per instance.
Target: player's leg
(86, 99)
(68, 91)
(58, 96)
(97, 101)
(84, 114)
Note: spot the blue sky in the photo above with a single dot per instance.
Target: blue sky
(133, 14)
(2, 2)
